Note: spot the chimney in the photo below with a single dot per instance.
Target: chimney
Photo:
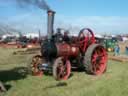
(50, 23)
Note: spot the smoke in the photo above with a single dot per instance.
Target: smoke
(38, 3)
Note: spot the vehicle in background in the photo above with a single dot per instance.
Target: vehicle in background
(108, 43)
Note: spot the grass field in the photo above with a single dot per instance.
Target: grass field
(113, 83)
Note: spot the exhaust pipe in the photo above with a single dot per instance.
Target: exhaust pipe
(50, 22)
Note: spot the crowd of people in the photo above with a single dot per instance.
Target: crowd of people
(117, 50)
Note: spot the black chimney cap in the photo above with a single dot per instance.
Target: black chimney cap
(51, 11)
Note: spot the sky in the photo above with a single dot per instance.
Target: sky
(102, 16)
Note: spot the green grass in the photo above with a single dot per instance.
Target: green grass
(113, 83)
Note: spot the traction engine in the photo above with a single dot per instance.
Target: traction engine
(61, 53)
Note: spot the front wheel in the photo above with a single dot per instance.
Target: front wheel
(61, 69)
(33, 66)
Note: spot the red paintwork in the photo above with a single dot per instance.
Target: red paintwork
(98, 67)
(67, 50)
(64, 71)
(35, 72)
(85, 39)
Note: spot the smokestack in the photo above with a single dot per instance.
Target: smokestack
(50, 23)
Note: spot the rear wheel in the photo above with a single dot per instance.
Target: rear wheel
(95, 59)
(61, 69)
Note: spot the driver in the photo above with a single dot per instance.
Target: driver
(58, 35)
(66, 37)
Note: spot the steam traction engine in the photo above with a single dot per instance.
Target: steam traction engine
(61, 53)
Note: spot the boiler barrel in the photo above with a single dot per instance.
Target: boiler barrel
(52, 50)
(64, 49)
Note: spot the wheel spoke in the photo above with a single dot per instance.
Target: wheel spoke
(85, 36)
(98, 60)
(61, 71)
(102, 60)
(34, 65)
(94, 67)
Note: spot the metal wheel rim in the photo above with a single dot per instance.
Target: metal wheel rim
(34, 65)
(98, 60)
(85, 41)
(62, 69)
